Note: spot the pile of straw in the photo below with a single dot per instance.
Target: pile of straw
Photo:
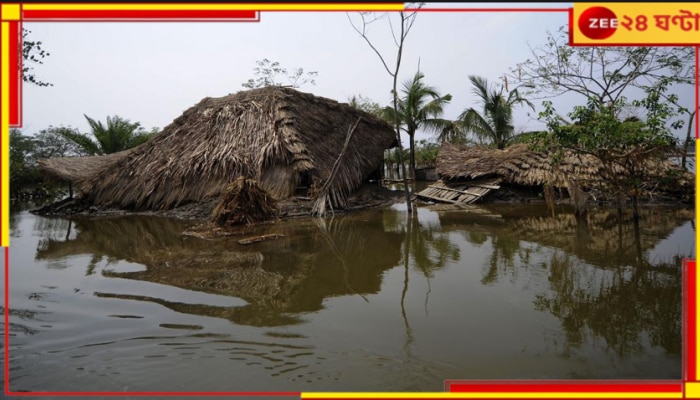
(244, 203)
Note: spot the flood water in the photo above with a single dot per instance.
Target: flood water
(372, 301)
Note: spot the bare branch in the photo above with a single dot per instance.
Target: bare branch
(363, 34)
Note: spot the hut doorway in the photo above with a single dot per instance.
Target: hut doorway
(303, 184)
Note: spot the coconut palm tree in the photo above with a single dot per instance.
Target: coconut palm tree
(495, 123)
(420, 107)
(117, 135)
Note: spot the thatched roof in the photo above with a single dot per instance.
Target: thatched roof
(275, 135)
(76, 169)
(519, 165)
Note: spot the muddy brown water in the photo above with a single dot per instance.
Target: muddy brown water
(371, 301)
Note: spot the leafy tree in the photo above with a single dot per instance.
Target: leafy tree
(604, 73)
(625, 146)
(22, 171)
(365, 104)
(426, 153)
(495, 123)
(688, 138)
(454, 133)
(270, 73)
(609, 74)
(420, 107)
(32, 54)
(117, 135)
(49, 143)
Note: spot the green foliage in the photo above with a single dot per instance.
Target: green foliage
(270, 73)
(419, 107)
(597, 130)
(117, 135)
(49, 143)
(494, 124)
(25, 150)
(395, 156)
(32, 54)
(366, 104)
(22, 161)
(454, 133)
(426, 153)
(626, 145)
(526, 137)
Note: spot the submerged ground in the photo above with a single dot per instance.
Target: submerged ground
(369, 301)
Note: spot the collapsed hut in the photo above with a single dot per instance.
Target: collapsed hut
(288, 143)
(470, 173)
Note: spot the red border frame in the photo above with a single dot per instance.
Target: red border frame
(594, 388)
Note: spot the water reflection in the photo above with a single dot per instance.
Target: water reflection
(356, 291)
(631, 308)
(602, 282)
(292, 274)
(602, 240)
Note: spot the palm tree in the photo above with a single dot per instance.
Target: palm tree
(420, 108)
(495, 123)
(119, 134)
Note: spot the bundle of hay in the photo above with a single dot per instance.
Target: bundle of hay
(244, 202)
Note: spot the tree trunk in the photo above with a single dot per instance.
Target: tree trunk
(686, 144)
(620, 203)
(412, 152)
(635, 206)
(549, 199)
(579, 198)
(397, 126)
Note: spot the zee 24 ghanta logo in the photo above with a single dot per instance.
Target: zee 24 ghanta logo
(601, 23)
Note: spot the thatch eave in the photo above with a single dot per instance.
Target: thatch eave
(78, 169)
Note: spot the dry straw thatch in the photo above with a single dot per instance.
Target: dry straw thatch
(280, 137)
(77, 169)
(519, 165)
(243, 202)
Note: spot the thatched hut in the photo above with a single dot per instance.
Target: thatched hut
(519, 166)
(285, 140)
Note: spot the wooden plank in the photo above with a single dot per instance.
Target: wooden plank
(463, 193)
(440, 199)
(492, 187)
(256, 239)
(459, 191)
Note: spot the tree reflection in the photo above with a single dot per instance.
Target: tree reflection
(502, 258)
(601, 280)
(621, 305)
(427, 248)
(631, 304)
(430, 247)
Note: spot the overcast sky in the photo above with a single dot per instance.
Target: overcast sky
(152, 72)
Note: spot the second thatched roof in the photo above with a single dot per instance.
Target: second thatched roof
(280, 137)
(520, 165)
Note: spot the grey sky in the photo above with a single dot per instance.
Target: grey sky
(152, 72)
